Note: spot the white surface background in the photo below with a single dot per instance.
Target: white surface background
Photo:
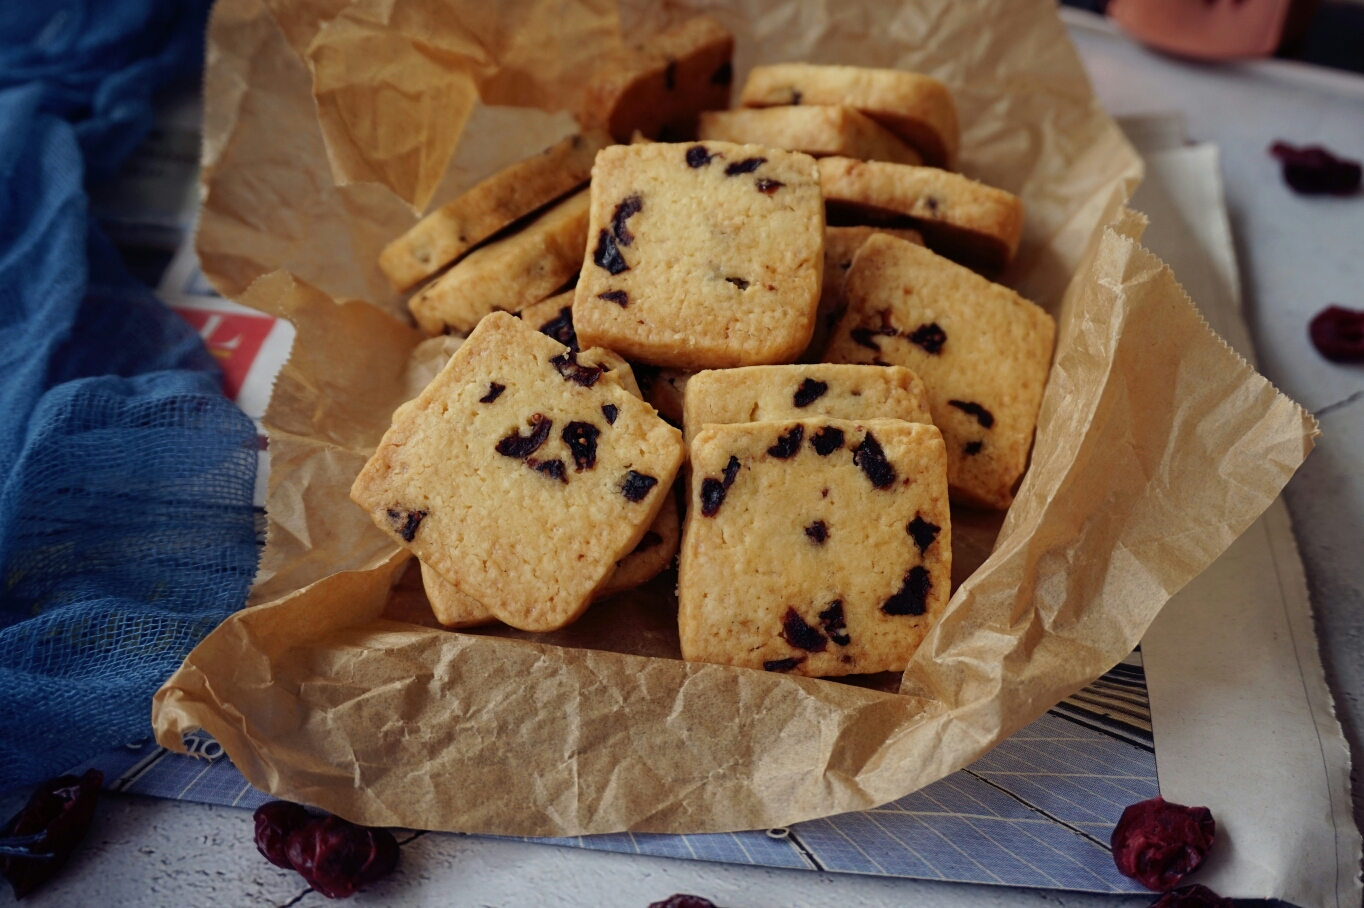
(1295, 256)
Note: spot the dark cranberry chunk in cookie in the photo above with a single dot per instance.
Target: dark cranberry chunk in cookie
(581, 438)
(494, 391)
(636, 486)
(610, 411)
(697, 156)
(619, 297)
(982, 415)
(922, 532)
(607, 255)
(912, 597)
(738, 282)
(789, 444)
(747, 165)
(405, 523)
(520, 446)
(831, 619)
(627, 209)
(782, 665)
(817, 532)
(872, 459)
(809, 392)
(767, 187)
(554, 469)
(930, 337)
(801, 635)
(568, 366)
(713, 490)
(827, 440)
(973, 448)
(561, 328)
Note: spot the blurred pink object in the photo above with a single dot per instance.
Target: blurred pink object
(1211, 29)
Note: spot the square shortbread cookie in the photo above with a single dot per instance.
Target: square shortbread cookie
(982, 350)
(706, 255)
(817, 131)
(768, 393)
(509, 274)
(658, 88)
(503, 198)
(521, 474)
(840, 244)
(915, 107)
(817, 547)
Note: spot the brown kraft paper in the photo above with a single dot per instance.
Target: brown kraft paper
(1156, 445)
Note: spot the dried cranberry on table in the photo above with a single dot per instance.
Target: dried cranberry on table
(274, 822)
(682, 900)
(1313, 170)
(1338, 334)
(39, 839)
(337, 857)
(1158, 843)
(1195, 896)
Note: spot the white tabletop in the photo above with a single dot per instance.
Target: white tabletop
(1296, 255)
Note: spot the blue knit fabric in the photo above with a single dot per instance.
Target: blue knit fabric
(126, 529)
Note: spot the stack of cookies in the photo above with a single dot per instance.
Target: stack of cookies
(837, 387)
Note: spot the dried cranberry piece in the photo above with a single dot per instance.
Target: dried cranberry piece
(1338, 334)
(1158, 843)
(405, 523)
(766, 186)
(682, 900)
(1195, 896)
(738, 282)
(636, 486)
(713, 490)
(516, 445)
(796, 96)
(809, 392)
(607, 255)
(863, 337)
(581, 438)
(53, 822)
(554, 469)
(568, 366)
(922, 532)
(818, 532)
(494, 391)
(782, 665)
(827, 440)
(831, 619)
(610, 411)
(973, 448)
(1313, 170)
(912, 597)
(747, 165)
(337, 857)
(561, 328)
(931, 337)
(275, 821)
(697, 156)
(982, 415)
(628, 208)
(796, 632)
(872, 459)
(788, 445)
(619, 297)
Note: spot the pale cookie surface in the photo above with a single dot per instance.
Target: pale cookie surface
(817, 547)
(509, 274)
(503, 198)
(982, 350)
(659, 87)
(767, 393)
(915, 107)
(655, 551)
(706, 255)
(977, 225)
(521, 474)
(840, 243)
(817, 131)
